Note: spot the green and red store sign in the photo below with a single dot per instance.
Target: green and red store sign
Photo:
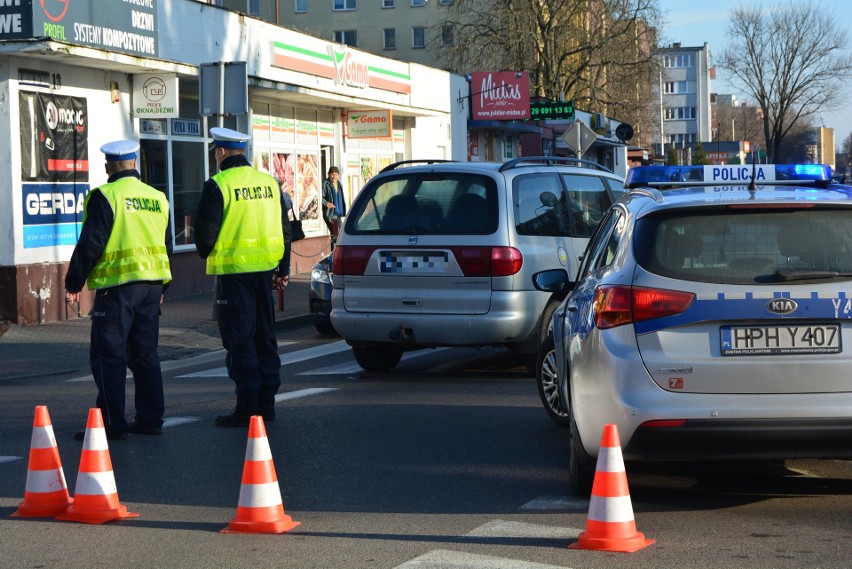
(347, 67)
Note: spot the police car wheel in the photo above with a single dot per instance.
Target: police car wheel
(548, 386)
(581, 474)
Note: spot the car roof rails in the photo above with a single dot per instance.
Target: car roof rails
(396, 165)
(551, 161)
(648, 192)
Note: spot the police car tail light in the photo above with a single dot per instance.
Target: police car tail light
(619, 305)
(349, 260)
(488, 261)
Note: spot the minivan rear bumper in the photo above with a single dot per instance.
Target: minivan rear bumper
(507, 322)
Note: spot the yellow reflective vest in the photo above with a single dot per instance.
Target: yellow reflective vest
(251, 238)
(136, 248)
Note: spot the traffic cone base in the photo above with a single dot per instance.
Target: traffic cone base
(95, 495)
(610, 525)
(260, 509)
(46, 494)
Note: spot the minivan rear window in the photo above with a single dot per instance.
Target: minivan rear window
(427, 204)
(749, 245)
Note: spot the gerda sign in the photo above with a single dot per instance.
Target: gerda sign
(54, 167)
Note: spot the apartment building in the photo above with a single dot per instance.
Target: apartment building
(684, 94)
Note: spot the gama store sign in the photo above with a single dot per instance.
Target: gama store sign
(369, 124)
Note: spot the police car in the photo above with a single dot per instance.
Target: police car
(711, 320)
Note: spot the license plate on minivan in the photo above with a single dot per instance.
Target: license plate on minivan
(780, 340)
(413, 262)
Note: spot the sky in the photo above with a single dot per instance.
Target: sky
(692, 23)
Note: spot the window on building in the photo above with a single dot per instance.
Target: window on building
(679, 60)
(348, 37)
(445, 2)
(418, 3)
(253, 7)
(418, 40)
(447, 35)
(678, 87)
(344, 4)
(390, 38)
(388, 3)
(301, 6)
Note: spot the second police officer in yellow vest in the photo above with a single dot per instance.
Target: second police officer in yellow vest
(243, 231)
(123, 254)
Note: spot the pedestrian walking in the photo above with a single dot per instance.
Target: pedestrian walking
(123, 255)
(243, 231)
(333, 203)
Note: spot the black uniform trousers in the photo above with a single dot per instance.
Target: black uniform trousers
(245, 312)
(125, 333)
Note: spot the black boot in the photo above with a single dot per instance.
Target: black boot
(240, 416)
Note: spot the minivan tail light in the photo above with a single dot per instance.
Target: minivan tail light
(473, 261)
(350, 260)
(488, 261)
(619, 305)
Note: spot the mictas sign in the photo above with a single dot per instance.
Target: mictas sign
(500, 95)
(155, 96)
(369, 124)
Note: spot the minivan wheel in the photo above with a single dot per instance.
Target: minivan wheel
(581, 477)
(548, 386)
(376, 358)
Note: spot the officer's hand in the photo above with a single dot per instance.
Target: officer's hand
(72, 296)
(161, 298)
(280, 283)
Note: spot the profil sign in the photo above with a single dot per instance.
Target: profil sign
(500, 95)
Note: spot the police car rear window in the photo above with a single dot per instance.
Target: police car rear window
(747, 246)
(445, 204)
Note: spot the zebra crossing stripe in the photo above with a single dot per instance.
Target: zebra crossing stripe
(445, 559)
(503, 528)
(543, 503)
(9, 458)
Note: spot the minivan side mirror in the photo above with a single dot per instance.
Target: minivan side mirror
(552, 280)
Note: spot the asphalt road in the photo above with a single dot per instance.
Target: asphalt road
(449, 461)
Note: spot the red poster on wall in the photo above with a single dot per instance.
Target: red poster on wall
(500, 95)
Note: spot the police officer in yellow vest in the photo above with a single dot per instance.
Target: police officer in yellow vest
(243, 231)
(123, 255)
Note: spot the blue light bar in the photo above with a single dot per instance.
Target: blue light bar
(733, 174)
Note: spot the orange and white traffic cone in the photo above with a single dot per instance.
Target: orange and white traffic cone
(95, 495)
(610, 525)
(260, 509)
(46, 494)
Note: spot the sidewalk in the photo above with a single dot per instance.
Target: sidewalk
(187, 329)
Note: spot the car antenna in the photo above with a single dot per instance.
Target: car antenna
(751, 186)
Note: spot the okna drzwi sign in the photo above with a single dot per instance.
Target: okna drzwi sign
(369, 124)
(500, 96)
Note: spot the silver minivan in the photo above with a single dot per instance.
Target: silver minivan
(437, 253)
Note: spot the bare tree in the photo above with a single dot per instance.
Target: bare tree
(792, 61)
(598, 53)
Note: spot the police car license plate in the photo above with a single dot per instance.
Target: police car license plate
(780, 340)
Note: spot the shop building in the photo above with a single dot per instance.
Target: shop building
(75, 75)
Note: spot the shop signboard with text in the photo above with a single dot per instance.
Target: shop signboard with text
(54, 135)
(127, 26)
(369, 124)
(500, 95)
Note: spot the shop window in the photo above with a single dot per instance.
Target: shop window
(188, 175)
